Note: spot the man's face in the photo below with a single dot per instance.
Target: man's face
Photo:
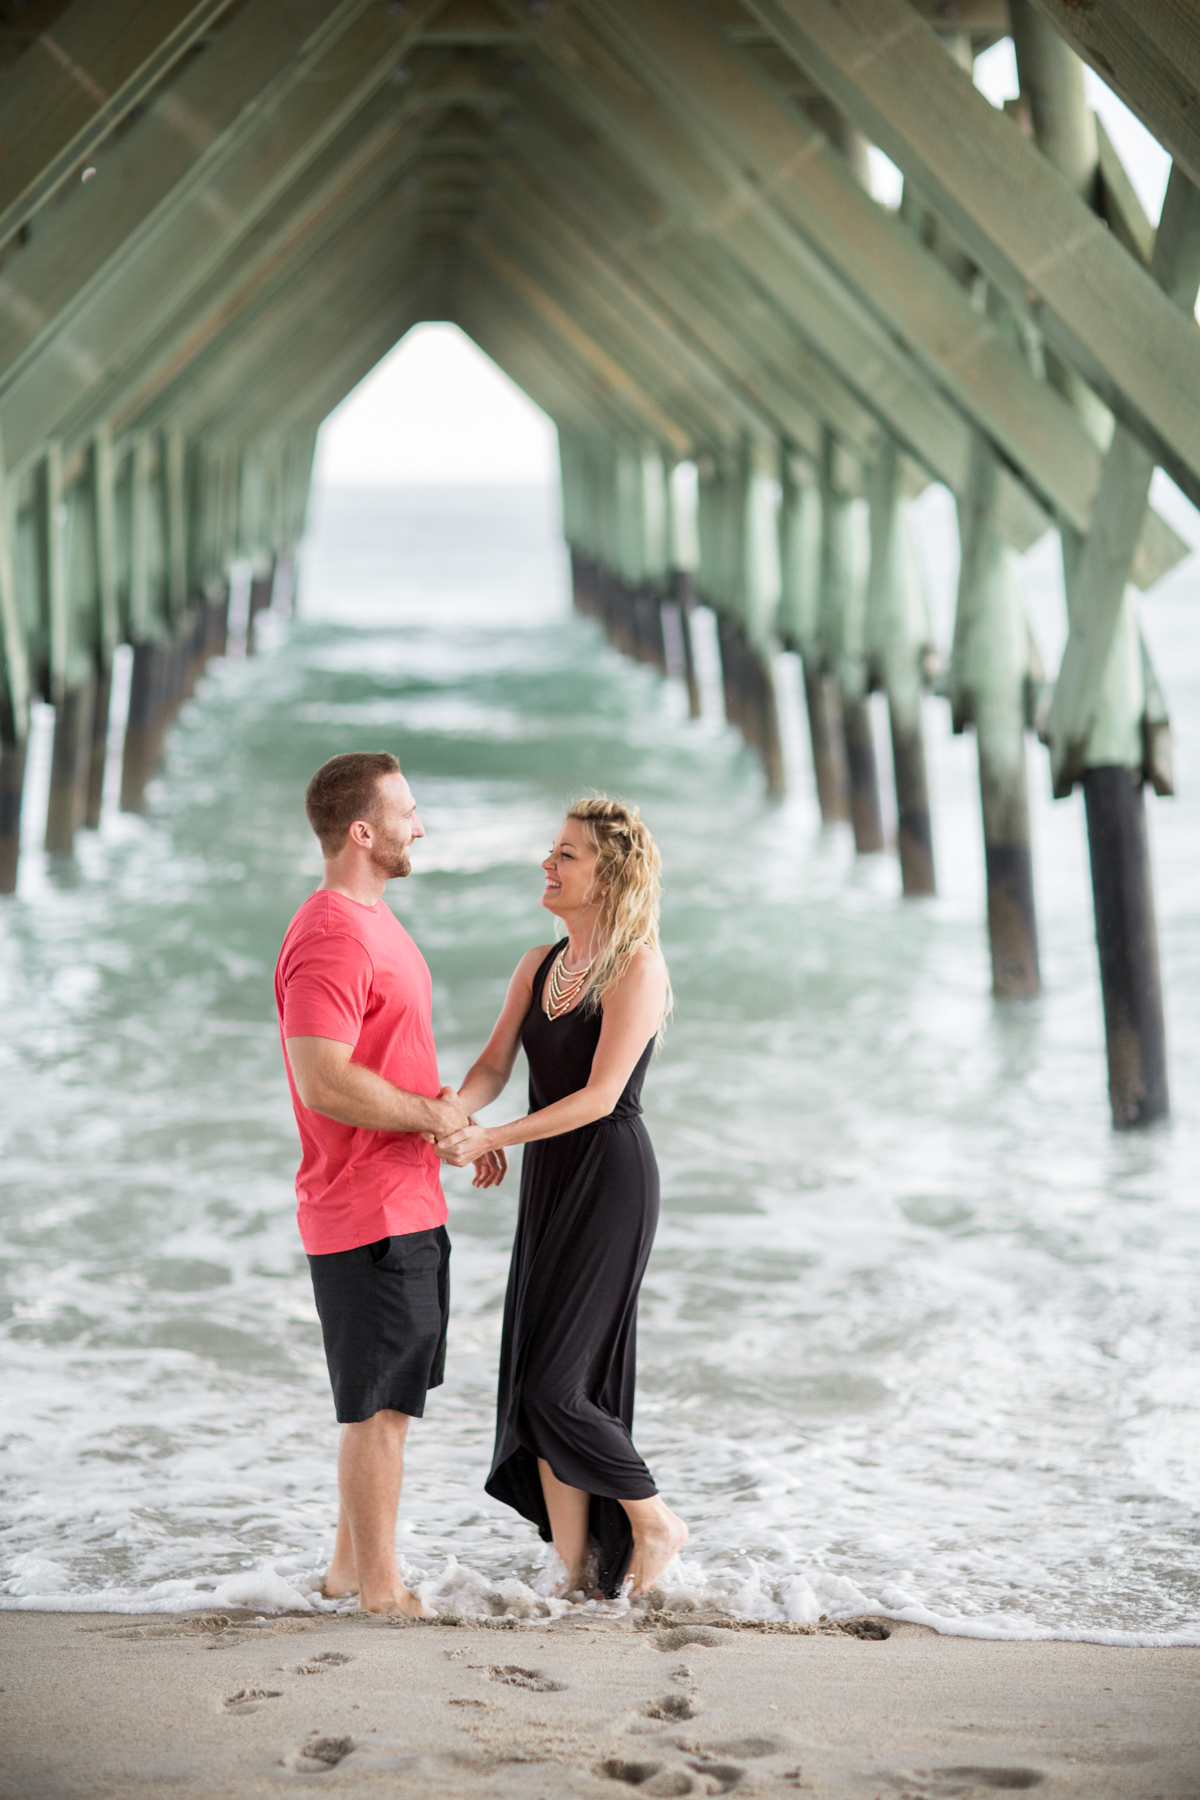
(394, 827)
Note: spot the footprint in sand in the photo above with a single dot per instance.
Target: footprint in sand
(967, 1778)
(248, 1700)
(680, 1636)
(319, 1664)
(318, 1755)
(671, 1706)
(719, 1777)
(514, 1676)
(748, 1746)
(647, 1777)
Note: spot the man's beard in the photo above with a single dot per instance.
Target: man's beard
(391, 858)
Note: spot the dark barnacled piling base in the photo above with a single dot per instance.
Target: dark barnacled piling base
(828, 743)
(97, 750)
(750, 699)
(69, 761)
(866, 815)
(12, 785)
(1012, 916)
(914, 825)
(142, 732)
(1127, 941)
(685, 601)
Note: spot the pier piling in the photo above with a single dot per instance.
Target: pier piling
(988, 677)
(70, 766)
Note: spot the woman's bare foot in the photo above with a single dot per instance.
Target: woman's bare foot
(331, 1590)
(570, 1582)
(400, 1600)
(658, 1535)
(339, 1583)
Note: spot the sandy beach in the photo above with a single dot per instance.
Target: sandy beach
(237, 1706)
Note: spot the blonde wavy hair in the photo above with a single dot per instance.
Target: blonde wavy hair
(629, 871)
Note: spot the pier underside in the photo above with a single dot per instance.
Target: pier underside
(656, 216)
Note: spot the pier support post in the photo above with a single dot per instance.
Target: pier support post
(828, 738)
(15, 688)
(98, 747)
(142, 732)
(989, 666)
(800, 553)
(897, 637)
(70, 762)
(1104, 731)
(685, 605)
(12, 786)
(108, 633)
(1127, 943)
(841, 626)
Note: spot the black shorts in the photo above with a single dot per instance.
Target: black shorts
(383, 1310)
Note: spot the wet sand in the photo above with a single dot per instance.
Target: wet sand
(226, 1705)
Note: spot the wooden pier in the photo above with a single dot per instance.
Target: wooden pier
(656, 215)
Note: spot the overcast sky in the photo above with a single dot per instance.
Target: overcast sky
(437, 410)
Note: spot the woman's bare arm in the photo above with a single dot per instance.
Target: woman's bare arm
(632, 1012)
(489, 1073)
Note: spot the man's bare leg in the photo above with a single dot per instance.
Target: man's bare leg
(658, 1535)
(341, 1577)
(370, 1475)
(568, 1510)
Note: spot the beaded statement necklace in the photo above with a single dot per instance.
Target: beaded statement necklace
(562, 991)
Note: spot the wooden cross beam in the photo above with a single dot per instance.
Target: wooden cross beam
(77, 81)
(1148, 51)
(1013, 212)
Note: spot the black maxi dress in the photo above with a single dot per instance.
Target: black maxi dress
(588, 1210)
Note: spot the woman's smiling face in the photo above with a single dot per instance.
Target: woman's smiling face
(570, 871)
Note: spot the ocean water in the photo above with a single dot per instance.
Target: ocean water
(919, 1336)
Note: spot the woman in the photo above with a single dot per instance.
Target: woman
(588, 1011)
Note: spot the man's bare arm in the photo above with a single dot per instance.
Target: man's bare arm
(328, 1082)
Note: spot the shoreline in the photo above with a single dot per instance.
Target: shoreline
(85, 1606)
(662, 1703)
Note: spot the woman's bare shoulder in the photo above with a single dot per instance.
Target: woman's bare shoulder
(530, 963)
(645, 973)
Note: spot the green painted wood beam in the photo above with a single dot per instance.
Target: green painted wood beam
(536, 360)
(79, 79)
(205, 163)
(919, 354)
(619, 411)
(779, 167)
(1148, 51)
(645, 336)
(1014, 214)
(330, 194)
(706, 295)
(1096, 587)
(838, 328)
(359, 245)
(605, 367)
(535, 334)
(358, 268)
(304, 351)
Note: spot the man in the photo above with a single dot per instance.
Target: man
(354, 998)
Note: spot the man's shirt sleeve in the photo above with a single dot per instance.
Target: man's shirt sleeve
(326, 989)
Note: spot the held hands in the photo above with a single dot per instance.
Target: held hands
(460, 1141)
(449, 1113)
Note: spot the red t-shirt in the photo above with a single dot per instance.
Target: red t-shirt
(352, 973)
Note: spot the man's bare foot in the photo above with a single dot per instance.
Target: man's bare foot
(654, 1545)
(400, 1602)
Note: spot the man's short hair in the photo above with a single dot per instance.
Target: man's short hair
(345, 789)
